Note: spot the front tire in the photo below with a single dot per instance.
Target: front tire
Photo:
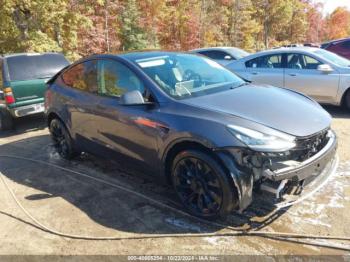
(202, 185)
(6, 120)
(62, 140)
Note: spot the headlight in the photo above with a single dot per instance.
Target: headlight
(262, 142)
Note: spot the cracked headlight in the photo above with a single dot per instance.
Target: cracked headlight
(262, 142)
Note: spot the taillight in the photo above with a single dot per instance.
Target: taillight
(9, 98)
(47, 101)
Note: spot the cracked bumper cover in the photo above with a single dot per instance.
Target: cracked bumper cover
(309, 169)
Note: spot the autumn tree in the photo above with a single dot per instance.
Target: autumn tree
(338, 23)
(132, 35)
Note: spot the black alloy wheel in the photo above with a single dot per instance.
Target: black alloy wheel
(202, 185)
(62, 140)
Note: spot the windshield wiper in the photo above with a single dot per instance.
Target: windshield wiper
(43, 77)
(240, 85)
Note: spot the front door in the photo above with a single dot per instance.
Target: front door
(302, 75)
(127, 130)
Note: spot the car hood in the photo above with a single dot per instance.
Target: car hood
(277, 108)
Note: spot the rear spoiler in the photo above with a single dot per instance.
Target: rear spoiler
(52, 79)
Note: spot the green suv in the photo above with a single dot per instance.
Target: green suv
(23, 80)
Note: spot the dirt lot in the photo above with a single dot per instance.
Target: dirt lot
(81, 206)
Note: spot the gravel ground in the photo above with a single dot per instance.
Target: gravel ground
(81, 206)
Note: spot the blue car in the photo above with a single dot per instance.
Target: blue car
(186, 119)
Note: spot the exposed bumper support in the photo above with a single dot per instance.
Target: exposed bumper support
(310, 167)
(317, 168)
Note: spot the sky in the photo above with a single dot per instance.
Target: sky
(330, 5)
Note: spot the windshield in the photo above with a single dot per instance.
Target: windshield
(338, 60)
(238, 53)
(36, 66)
(185, 75)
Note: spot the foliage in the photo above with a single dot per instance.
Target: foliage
(79, 28)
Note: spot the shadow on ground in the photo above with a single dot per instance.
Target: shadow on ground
(337, 111)
(41, 189)
(26, 124)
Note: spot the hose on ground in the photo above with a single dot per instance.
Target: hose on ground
(236, 232)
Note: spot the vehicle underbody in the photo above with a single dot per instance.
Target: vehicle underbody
(282, 173)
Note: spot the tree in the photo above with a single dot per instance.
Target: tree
(132, 35)
(338, 23)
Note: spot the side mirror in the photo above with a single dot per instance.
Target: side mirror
(325, 68)
(132, 98)
(227, 57)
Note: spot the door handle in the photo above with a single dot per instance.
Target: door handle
(254, 73)
(292, 74)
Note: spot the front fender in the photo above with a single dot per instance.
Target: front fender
(242, 179)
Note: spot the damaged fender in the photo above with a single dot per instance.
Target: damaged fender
(242, 179)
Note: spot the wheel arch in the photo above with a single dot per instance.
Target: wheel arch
(346, 92)
(175, 148)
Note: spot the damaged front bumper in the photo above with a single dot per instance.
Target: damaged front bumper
(298, 171)
(282, 177)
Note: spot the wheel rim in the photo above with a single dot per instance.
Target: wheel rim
(198, 186)
(59, 139)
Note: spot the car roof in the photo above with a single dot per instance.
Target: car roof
(290, 49)
(214, 48)
(28, 54)
(136, 55)
(336, 41)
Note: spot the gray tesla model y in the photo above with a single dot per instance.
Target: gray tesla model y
(184, 117)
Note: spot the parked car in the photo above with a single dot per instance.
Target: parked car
(222, 55)
(187, 119)
(23, 79)
(315, 72)
(340, 47)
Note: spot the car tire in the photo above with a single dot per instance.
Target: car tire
(202, 185)
(62, 140)
(347, 100)
(6, 120)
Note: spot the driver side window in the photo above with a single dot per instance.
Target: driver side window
(115, 79)
(300, 61)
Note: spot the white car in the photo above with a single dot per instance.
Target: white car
(315, 72)
(222, 55)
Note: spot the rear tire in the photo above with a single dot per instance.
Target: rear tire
(6, 120)
(62, 140)
(202, 185)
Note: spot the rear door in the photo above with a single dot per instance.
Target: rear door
(302, 75)
(267, 69)
(81, 100)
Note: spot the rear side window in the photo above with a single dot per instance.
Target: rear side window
(82, 76)
(267, 61)
(27, 67)
(218, 55)
(117, 79)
